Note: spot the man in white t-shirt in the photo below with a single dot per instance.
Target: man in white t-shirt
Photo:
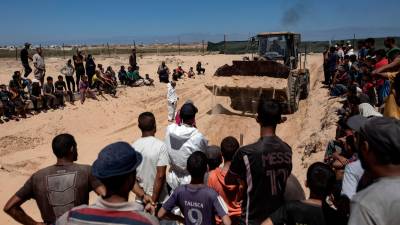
(151, 172)
(182, 140)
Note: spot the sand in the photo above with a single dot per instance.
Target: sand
(25, 146)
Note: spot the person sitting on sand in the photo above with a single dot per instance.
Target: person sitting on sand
(175, 75)
(122, 75)
(134, 79)
(100, 68)
(180, 72)
(191, 73)
(84, 89)
(320, 181)
(148, 81)
(48, 93)
(36, 95)
(61, 90)
(163, 73)
(7, 105)
(200, 69)
(56, 188)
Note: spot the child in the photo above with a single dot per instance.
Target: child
(48, 93)
(122, 75)
(191, 73)
(175, 75)
(148, 81)
(8, 107)
(320, 181)
(216, 180)
(198, 203)
(61, 90)
(85, 90)
(68, 71)
(36, 94)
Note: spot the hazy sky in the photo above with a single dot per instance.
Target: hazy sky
(86, 20)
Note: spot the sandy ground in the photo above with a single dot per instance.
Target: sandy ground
(25, 146)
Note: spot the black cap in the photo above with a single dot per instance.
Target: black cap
(188, 110)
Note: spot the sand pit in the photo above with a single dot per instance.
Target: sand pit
(26, 145)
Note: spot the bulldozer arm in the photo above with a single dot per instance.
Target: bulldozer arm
(254, 68)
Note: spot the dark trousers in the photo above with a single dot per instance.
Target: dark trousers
(80, 71)
(70, 80)
(90, 76)
(201, 70)
(49, 101)
(35, 100)
(164, 78)
(27, 69)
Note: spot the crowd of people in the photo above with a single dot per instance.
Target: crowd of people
(182, 179)
(28, 95)
(369, 74)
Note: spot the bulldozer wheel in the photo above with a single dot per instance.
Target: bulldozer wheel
(294, 93)
(306, 87)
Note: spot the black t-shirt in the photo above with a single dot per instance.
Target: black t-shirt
(297, 212)
(24, 56)
(36, 90)
(60, 85)
(265, 167)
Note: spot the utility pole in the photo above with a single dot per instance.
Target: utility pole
(108, 49)
(354, 40)
(202, 44)
(16, 52)
(63, 50)
(224, 43)
(179, 45)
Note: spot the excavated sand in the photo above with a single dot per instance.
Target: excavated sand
(26, 145)
(249, 81)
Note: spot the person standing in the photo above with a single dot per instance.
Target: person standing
(379, 152)
(132, 59)
(216, 180)
(79, 67)
(90, 69)
(115, 167)
(152, 171)
(172, 99)
(25, 57)
(56, 188)
(40, 67)
(263, 167)
(68, 71)
(163, 73)
(182, 140)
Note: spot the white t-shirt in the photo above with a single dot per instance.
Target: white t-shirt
(154, 153)
(352, 175)
(171, 94)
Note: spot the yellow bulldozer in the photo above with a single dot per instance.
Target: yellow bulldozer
(277, 72)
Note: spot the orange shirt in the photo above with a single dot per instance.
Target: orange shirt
(230, 193)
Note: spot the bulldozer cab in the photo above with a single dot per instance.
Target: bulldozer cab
(279, 46)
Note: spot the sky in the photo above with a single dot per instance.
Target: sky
(122, 21)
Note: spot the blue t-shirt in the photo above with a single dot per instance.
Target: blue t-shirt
(199, 205)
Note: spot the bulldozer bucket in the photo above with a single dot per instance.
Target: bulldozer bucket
(254, 68)
(245, 99)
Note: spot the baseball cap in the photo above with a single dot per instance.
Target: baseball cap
(188, 109)
(27, 44)
(116, 159)
(382, 132)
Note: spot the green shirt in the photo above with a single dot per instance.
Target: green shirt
(134, 75)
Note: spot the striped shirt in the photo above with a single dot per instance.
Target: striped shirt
(103, 212)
